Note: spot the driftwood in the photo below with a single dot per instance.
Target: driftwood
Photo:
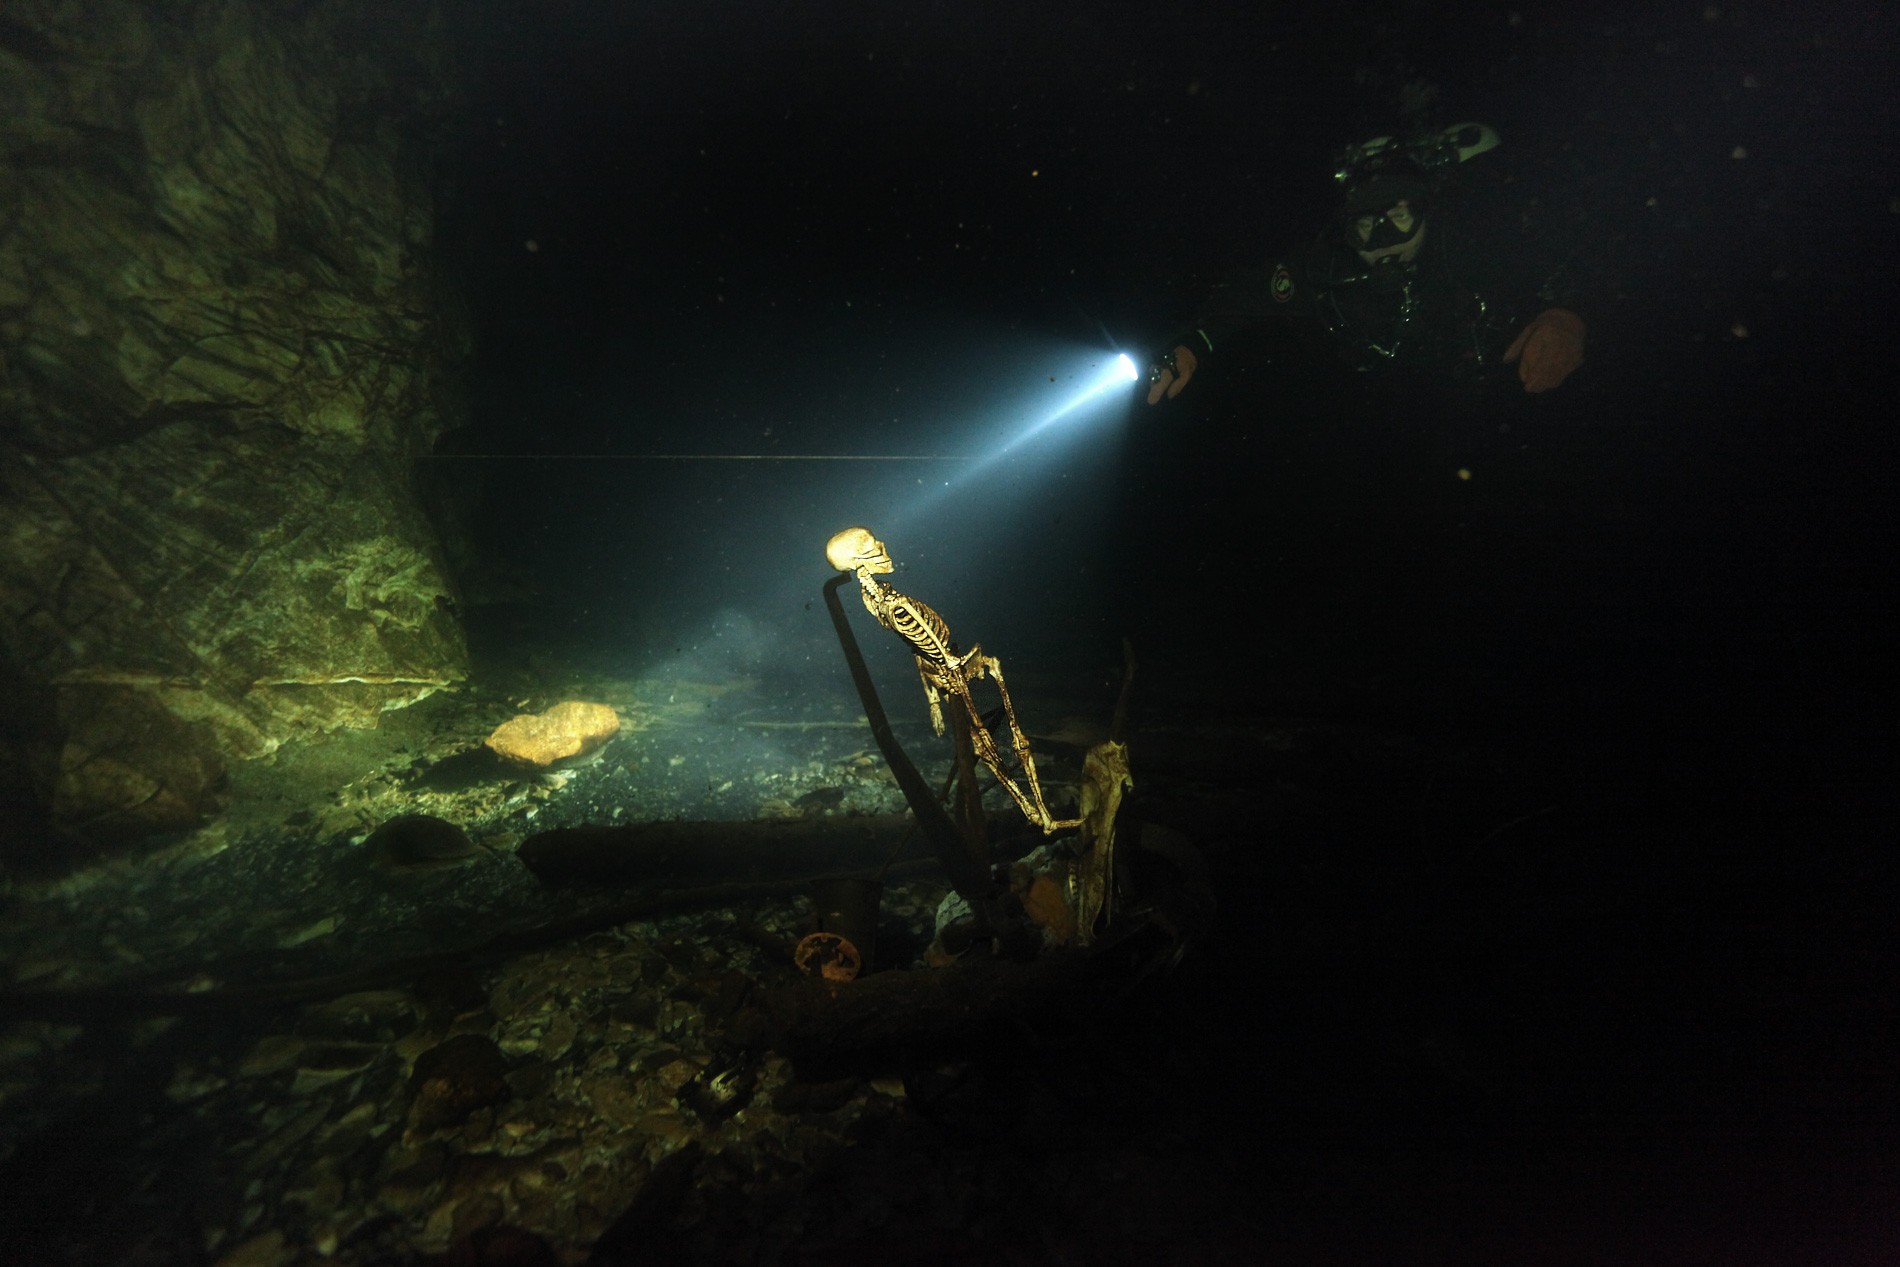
(690, 854)
(816, 1020)
(163, 997)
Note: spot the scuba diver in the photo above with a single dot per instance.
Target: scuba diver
(1409, 274)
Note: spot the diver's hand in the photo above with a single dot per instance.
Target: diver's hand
(1547, 351)
(1172, 375)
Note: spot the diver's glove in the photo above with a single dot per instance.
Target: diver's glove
(1171, 373)
(1548, 350)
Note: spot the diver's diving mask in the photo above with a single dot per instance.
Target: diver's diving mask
(1375, 233)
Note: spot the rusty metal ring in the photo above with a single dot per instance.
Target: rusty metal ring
(829, 956)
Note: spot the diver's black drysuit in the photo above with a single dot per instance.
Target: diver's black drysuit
(1484, 269)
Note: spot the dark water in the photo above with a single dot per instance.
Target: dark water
(1559, 931)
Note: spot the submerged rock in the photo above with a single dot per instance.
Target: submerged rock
(572, 728)
(129, 768)
(420, 840)
(454, 1078)
(225, 345)
(500, 1246)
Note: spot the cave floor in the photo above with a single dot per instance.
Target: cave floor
(1464, 1001)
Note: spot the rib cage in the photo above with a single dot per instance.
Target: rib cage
(947, 671)
(915, 622)
(925, 630)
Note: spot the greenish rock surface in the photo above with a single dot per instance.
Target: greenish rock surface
(222, 346)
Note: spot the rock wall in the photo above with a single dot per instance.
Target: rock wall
(222, 345)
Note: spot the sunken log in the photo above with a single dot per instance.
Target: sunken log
(167, 996)
(816, 1020)
(684, 855)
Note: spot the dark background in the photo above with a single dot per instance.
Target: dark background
(1662, 594)
(1548, 814)
(851, 229)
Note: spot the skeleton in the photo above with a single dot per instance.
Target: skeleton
(944, 670)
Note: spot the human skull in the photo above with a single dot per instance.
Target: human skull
(856, 548)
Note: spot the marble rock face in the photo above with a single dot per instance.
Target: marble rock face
(222, 348)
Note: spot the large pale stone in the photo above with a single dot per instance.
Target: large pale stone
(570, 729)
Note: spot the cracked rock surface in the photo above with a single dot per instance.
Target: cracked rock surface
(225, 343)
